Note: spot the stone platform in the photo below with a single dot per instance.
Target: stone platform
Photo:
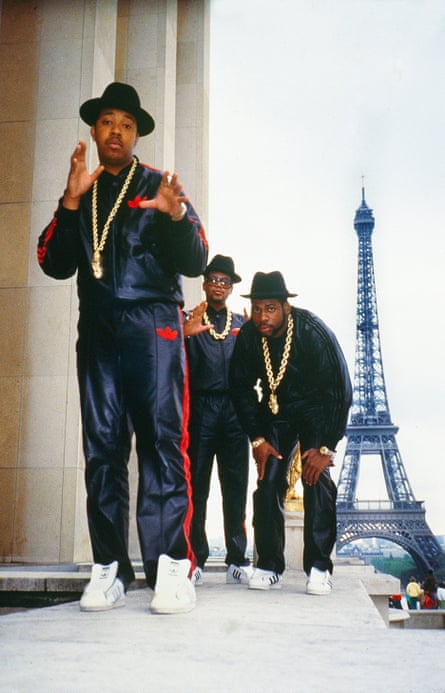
(236, 640)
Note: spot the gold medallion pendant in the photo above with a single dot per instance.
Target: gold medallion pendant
(273, 404)
(96, 265)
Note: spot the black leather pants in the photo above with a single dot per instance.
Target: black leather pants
(131, 369)
(215, 432)
(268, 509)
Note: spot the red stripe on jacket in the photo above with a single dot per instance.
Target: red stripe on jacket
(43, 247)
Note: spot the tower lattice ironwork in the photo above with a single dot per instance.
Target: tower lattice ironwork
(400, 518)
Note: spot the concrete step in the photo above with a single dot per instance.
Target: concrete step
(36, 585)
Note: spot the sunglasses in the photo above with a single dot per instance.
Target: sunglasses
(223, 281)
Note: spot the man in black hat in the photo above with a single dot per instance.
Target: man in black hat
(214, 427)
(306, 395)
(130, 232)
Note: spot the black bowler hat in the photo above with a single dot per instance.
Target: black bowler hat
(121, 96)
(270, 285)
(224, 264)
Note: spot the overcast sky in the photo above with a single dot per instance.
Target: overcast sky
(306, 97)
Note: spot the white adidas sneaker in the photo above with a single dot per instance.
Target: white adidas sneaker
(104, 590)
(174, 591)
(319, 582)
(265, 580)
(197, 577)
(238, 574)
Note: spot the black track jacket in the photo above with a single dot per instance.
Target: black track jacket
(145, 252)
(315, 393)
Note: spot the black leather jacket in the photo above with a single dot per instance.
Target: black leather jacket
(145, 252)
(209, 358)
(315, 394)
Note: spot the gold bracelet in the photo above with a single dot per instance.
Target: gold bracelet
(257, 442)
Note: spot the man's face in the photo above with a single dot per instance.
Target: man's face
(217, 287)
(270, 316)
(115, 133)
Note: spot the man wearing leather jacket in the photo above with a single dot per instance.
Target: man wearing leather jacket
(215, 431)
(129, 232)
(305, 398)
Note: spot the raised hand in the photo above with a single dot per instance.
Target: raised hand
(169, 198)
(194, 325)
(79, 180)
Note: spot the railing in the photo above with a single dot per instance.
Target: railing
(381, 505)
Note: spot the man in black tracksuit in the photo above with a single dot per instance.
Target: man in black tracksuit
(129, 232)
(214, 427)
(306, 395)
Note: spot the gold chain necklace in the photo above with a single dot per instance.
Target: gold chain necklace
(225, 332)
(96, 262)
(274, 382)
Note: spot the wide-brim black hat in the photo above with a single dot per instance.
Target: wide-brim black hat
(268, 285)
(224, 264)
(121, 96)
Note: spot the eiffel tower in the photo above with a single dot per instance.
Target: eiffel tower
(401, 519)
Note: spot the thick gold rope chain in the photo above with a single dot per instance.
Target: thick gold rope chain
(274, 382)
(225, 332)
(96, 263)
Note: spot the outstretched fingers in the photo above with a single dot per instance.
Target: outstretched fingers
(169, 197)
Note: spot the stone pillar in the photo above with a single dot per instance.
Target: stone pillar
(294, 539)
(192, 114)
(18, 57)
(53, 55)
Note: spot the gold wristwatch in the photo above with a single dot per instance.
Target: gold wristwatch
(326, 451)
(257, 442)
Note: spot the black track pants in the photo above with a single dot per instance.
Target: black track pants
(268, 510)
(131, 369)
(215, 432)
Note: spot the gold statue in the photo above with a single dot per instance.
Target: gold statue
(294, 502)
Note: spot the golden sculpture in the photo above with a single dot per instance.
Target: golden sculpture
(294, 502)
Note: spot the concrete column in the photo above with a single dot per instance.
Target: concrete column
(18, 56)
(53, 56)
(192, 113)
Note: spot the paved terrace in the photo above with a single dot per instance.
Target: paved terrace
(235, 641)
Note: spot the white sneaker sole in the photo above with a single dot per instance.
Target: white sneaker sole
(258, 586)
(102, 607)
(318, 591)
(171, 609)
(264, 587)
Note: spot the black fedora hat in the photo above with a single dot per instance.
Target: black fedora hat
(271, 285)
(224, 264)
(121, 96)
